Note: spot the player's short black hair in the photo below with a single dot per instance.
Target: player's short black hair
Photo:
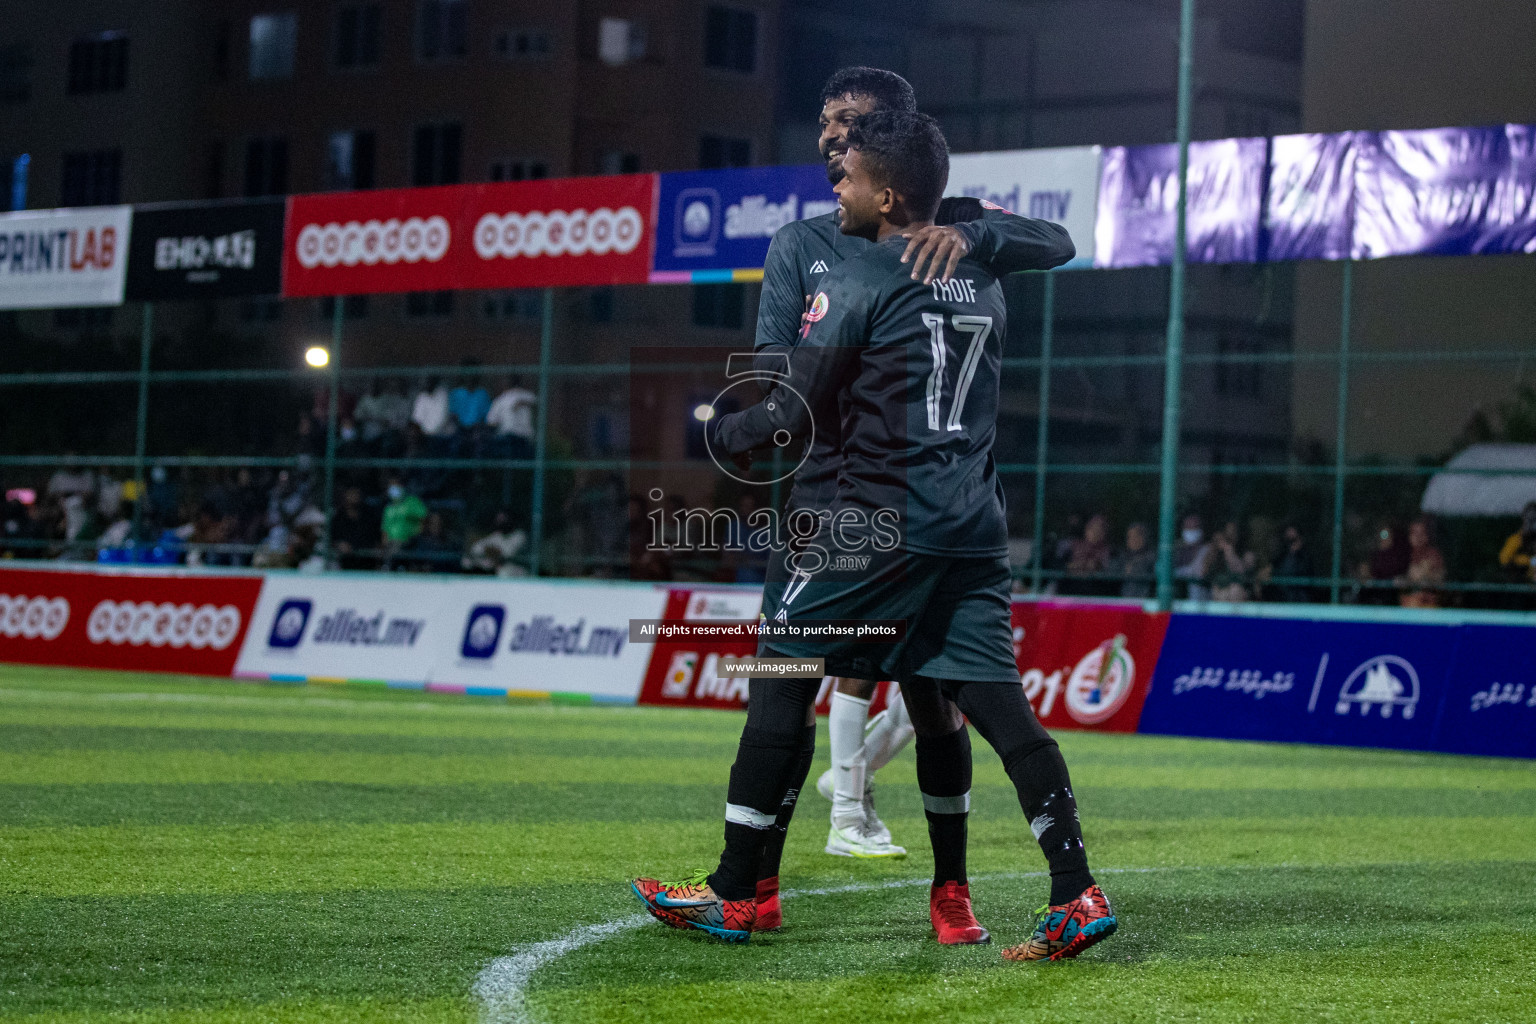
(888, 89)
(909, 151)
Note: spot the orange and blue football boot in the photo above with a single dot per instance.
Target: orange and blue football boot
(693, 904)
(1065, 930)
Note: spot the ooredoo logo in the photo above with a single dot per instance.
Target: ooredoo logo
(372, 242)
(558, 233)
(33, 618)
(482, 632)
(289, 622)
(165, 624)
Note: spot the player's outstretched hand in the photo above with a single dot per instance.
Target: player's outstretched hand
(933, 247)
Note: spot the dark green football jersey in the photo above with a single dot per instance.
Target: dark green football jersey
(905, 377)
(805, 250)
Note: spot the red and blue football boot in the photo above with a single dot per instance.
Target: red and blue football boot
(1064, 931)
(693, 904)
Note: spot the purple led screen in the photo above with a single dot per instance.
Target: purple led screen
(1310, 210)
(1138, 196)
(1447, 191)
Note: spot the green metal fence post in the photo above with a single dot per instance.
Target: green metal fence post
(141, 430)
(330, 426)
(1342, 429)
(1173, 369)
(1047, 335)
(541, 431)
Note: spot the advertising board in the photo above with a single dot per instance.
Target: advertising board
(206, 250)
(1058, 185)
(724, 220)
(71, 257)
(1086, 666)
(384, 240)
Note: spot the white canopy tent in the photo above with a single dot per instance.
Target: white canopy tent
(1484, 493)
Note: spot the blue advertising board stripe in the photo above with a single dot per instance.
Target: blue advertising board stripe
(1490, 707)
(718, 222)
(1371, 684)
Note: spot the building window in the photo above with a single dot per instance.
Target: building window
(621, 40)
(435, 154)
(524, 306)
(92, 179)
(15, 73)
(429, 304)
(730, 39)
(357, 35)
(353, 307)
(718, 305)
(442, 30)
(349, 161)
(1238, 379)
(617, 161)
(519, 170)
(274, 38)
(524, 44)
(717, 151)
(98, 63)
(266, 167)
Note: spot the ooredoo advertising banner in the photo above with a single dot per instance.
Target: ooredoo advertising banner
(387, 240)
(1087, 666)
(63, 257)
(173, 622)
(1058, 185)
(558, 232)
(206, 250)
(1368, 684)
(724, 220)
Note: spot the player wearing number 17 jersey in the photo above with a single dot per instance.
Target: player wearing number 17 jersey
(910, 372)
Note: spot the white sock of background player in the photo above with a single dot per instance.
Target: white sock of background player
(890, 731)
(845, 726)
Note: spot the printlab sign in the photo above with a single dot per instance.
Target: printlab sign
(206, 251)
(54, 258)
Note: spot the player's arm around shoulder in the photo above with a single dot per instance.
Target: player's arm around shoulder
(836, 328)
(1007, 243)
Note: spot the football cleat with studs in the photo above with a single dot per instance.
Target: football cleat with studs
(1065, 930)
(692, 904)
(949, 908)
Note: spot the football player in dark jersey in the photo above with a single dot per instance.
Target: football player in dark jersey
(909, 371)
(802, 251)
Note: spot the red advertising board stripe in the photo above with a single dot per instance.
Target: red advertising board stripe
(173, 622)
(531, 234)
(559, 232)
(1087, 666)
(388, 240)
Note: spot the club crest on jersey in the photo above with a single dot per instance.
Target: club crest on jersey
(987, 204)
(818, 308)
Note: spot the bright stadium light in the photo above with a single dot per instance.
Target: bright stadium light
(703, 413)
(317, 356)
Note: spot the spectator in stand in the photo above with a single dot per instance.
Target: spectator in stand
(1387, 564)
(1518, 556)
(468, 403)
(1426, 568)
(432, 550)
(109, 496)
(1089, 557)
(354, 530)
(1295, 562)
(311, 437)
(511, 416)
(1189, 557)
(1137, 563)
(164, 496)
(68, 480)
(382, 419)
(494, 553)
(1227, 573)
(370, 416)
(430, 412)
(403, 516)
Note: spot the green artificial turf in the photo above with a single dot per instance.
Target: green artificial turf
(189, 850)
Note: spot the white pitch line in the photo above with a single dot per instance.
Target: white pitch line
(502, 985)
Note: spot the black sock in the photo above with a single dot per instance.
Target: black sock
(773, 849)
(1045, 793)
(759, 779)
(944, 776)
(1002, 714)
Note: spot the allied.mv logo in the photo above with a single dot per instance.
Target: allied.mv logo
(288, 625)
(1386, 681)
(483, 631)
